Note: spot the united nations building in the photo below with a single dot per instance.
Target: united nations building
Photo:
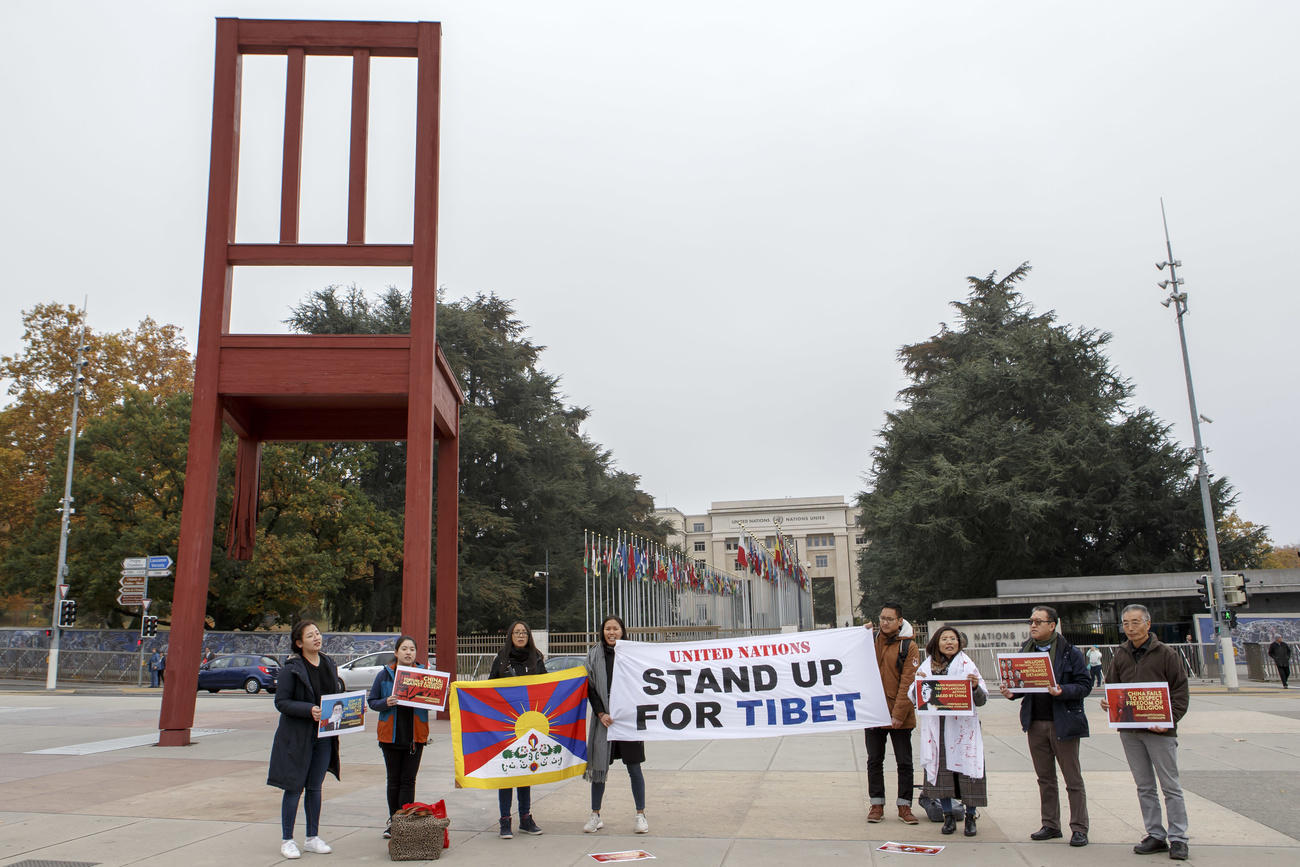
(824, 531)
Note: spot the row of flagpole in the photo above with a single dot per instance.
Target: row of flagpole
(648, 584)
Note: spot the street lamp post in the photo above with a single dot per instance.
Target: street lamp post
(1178, 301)
(61, 570)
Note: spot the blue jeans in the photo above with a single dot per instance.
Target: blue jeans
(638, 790)
(316, 769)
(525, 801)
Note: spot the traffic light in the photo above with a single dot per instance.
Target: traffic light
(1234, 589)
(1206, 592)
(148, 627)
(1230, 619)
(68, 612)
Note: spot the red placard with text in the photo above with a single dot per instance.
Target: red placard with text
(944, 696)
(421, 687)
(1026, 672)
(1139, 705)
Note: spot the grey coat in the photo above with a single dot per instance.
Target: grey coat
(598, 743)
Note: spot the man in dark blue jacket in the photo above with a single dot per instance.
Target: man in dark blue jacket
(1055, 722)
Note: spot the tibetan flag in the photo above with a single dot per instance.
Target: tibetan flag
(519, 731)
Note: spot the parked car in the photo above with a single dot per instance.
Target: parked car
(568, 660)
(247, 671)
(360, 673)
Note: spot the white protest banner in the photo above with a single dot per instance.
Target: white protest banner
(761, 686)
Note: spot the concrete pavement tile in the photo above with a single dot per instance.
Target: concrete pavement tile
(127, 842)
(21, 833)
(807, 806)
(753, 754)
(782, 853)
(831, 752)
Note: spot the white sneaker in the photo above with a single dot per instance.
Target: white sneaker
(289, 849)
(317, 845)
(593, 824)
(642, 826)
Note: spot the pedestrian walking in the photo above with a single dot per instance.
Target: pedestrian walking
(519, 657)
(952, 747)
(162, 668)
(898, 658)
(601, 751)
(1094, 665)
(1280, 652)
(155, 668)
(1054, 722)
(402, 731)
(299, 758)
(1153, 753)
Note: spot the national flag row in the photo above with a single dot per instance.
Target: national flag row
(779, 564)
(632, 558)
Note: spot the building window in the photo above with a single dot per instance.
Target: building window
(823, 560)
(697, 527)
(823, 540)
(732, 543)
(770, 542)
(699, 546)
(859, 540)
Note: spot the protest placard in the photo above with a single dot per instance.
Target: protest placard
(1026, 672)
(625, 855)
(944, 696)
(764, 686)
(342, 713)
(421, 688)
(1139, 705)
(910, 848)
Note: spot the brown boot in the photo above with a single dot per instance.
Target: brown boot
(876, 813)
(905, 815)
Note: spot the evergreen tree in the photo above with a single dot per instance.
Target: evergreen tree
(1015, 455)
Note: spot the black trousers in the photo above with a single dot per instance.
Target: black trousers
(902, 743)
(1284, 672)
(402, 761)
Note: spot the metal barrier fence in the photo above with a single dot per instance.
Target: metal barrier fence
(100, 666)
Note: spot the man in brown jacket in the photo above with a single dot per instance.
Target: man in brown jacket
(1152, 753)
(898, 658)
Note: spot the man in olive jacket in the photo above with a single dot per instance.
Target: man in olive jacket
(1153, 753)
(1054, 722)
(898, 658)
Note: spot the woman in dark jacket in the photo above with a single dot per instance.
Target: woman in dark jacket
(299, 759)
(518, 657)
(601, 751)
(403, 731)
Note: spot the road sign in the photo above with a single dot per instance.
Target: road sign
(146, 603)
(130, 597)
(135, 563)
(138, 573)
(157, 561)
(158, 573)
(132, 582)
(63, 591)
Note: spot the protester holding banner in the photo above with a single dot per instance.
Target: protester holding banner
(601, 751)
(1055, 721)
(898, 658)
(952, 747)
(1153, 753)
(403, 731)
(518, 657)
(299, 759)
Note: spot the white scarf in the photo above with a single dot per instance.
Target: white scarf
(962, 738)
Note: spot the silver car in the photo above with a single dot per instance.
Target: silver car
(360, 673)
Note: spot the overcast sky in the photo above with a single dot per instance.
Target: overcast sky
(722, 218)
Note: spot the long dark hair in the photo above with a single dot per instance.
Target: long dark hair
(932, 646)
(621, 627)
(295, 635)
(529, 647)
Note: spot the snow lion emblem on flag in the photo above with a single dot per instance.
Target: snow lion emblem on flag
(519, 731)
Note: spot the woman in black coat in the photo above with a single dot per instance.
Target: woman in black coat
(299, 759)
(518, 657)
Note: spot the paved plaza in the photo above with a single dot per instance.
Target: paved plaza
(65, 796)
